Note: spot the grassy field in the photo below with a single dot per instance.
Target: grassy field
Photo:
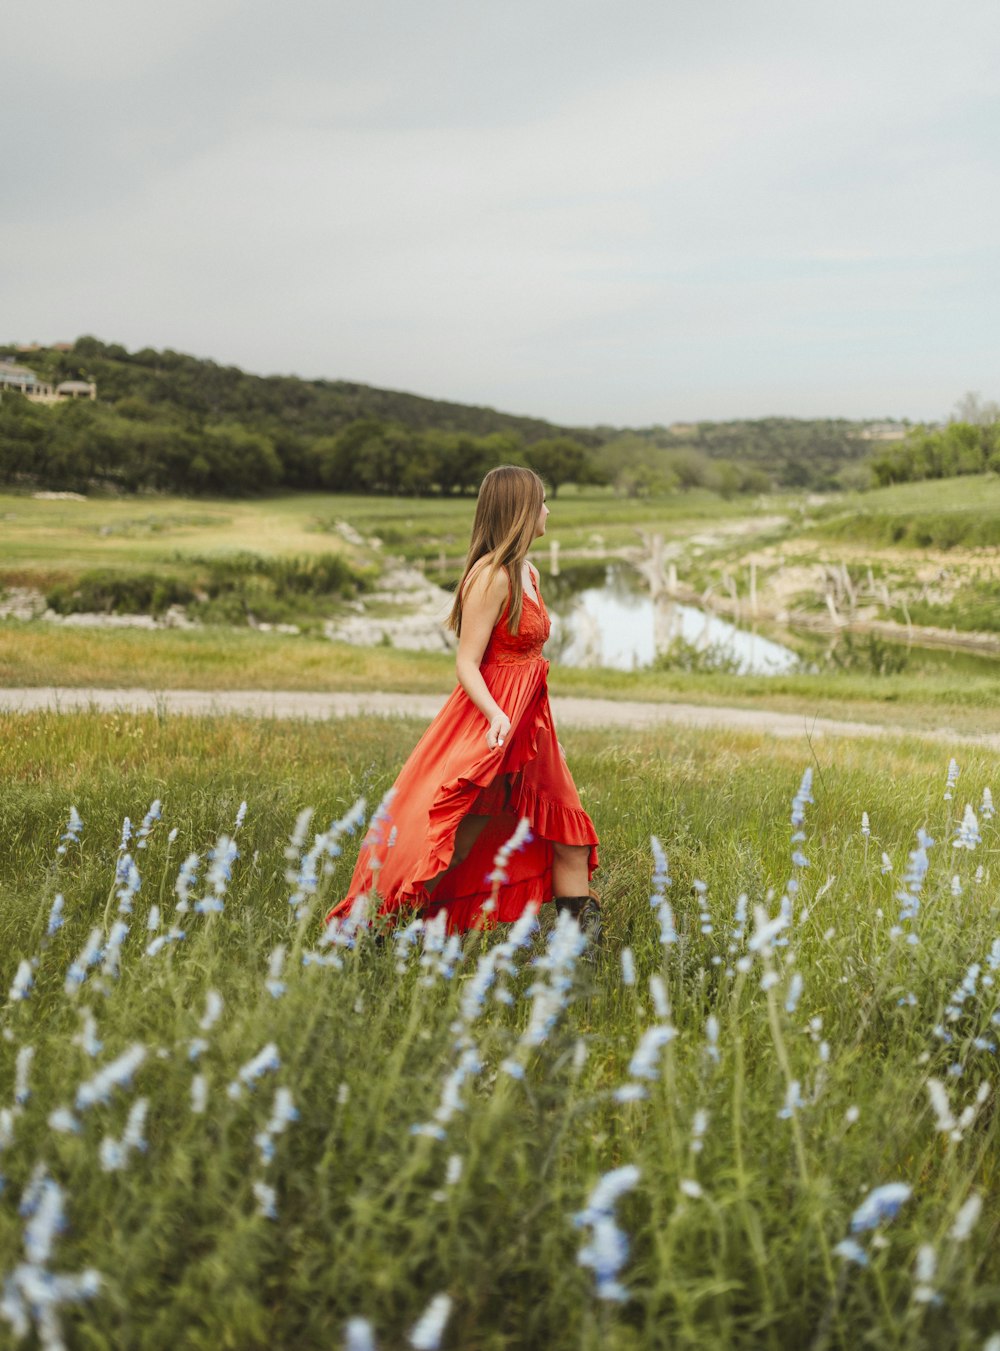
(250, 1176)
(965, 493)
(42, 540)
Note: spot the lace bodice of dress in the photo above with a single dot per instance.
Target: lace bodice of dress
(509, 649)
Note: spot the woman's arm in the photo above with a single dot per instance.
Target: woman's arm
(482, 605)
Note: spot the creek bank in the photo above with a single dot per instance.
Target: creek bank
(405, 610)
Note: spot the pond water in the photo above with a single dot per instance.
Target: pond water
(603, 615)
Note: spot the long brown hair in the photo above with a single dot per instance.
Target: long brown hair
(507, 509)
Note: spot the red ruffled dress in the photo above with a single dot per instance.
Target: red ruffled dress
(452, 773)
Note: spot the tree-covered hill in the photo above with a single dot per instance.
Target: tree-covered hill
(747, 455)
(168, 421)
(310, 407)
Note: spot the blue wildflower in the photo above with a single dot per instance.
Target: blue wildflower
(802, 797)
(87, 1037)
(118, 1073)
(221, 858)
(56, 920)
(628, 967)
(793, 1101)
(173, 935)
(128, 883)
(214, 1005)
(148, 821)
(645, 1062)
(23, 981)
(358, 1335)
(114, 1154)
(275, 986)
(112, 953)
(426, 1333)
(794, 992)
(967, 834)
(880, 1205)
(63, 1121)
(199, 1094)
(516, 842)
(283, 1113)
(851, 1251)
(607, 1249)
(468, 1064)
(72, 832)
(712, 1037)
(186, 878)
(22, 1073)
(267, 1200)
(266, 1059)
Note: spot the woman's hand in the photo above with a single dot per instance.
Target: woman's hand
(498, 731)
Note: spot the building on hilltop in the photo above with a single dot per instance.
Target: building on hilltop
(883, 431)
(76, 389)
(26, 381)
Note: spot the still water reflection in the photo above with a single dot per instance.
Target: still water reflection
(604, 616)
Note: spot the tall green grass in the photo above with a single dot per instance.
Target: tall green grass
(730, 1244)
(961, 528)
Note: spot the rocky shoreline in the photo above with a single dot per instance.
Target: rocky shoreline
(373, 622)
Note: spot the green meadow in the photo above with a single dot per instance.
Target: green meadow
(312, 1133)
(56, 539)
(272, 556)
(222, 1125)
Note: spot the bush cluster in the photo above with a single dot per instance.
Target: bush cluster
(217, 590)
(959, 448)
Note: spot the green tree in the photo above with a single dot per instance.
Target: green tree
(558, 460)
(240, 461)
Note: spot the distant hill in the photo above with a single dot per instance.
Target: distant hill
(309, 407)
(173, 422)
(819, 454)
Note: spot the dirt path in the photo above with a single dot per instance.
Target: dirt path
(570, 712)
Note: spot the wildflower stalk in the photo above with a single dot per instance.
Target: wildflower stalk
(781, 1051)
(751, 1222)
(301, 929)
(161, 898)
(106, 922)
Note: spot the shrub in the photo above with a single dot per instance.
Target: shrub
(104, 592)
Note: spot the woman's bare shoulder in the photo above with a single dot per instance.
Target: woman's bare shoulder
(486, 582)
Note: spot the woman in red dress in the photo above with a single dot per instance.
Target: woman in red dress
(491, 756)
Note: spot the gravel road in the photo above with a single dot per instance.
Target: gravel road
(569, 712)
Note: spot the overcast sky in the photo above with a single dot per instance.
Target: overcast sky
(620, 211)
